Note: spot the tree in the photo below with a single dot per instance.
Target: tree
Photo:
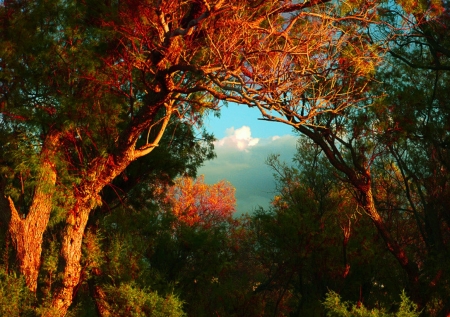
(196, 203)
(315, 238)
(390, 149)
(153, 249)
(416, 145)
(88, 88)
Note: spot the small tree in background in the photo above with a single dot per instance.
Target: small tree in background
(196, 203)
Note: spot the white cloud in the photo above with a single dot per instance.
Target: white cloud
(238, 138)
(243, 165)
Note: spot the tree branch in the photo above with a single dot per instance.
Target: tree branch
(418, 66)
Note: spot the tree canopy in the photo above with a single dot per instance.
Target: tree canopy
(101, 109)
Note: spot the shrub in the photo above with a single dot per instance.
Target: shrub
(15, 298)
(337, 308)
(129, 300)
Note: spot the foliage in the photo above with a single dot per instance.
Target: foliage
(314, 238)
(128, 300)
(151, 249)
(100, 108)
(390, 153)
(197, 203)
(336, 308)
(15, 298)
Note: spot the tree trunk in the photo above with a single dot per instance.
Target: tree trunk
(71, 252)
(87, 198)
(27, 231)
(360, 178)
(102, 172)
(409, 267)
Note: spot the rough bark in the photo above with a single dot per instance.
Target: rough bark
(27, 232)
(102, 172)
(87, 198)
(102, 306)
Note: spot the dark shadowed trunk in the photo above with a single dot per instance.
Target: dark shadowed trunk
(360, 178)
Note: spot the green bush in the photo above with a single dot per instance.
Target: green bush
(337, 308)
(127, 300)
(15, 298)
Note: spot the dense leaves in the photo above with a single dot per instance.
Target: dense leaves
(337, 308)
(101, 109)
(197, 203)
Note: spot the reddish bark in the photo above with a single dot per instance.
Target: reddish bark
(27, 232)
(102, 172)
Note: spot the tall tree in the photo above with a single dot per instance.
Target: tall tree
(87, 88)
(315, 238)
(391, 147)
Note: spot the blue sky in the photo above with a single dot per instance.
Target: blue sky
(243, 145)
(238, 116)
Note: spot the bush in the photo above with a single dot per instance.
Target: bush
(129, 300)
(337, 308)
(15, 298)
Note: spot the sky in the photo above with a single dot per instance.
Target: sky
(242, 147)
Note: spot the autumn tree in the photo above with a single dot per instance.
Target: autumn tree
(88, 88)
(196, 203)
(390, 148)
(399, 184)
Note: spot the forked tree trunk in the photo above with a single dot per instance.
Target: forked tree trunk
(27, 232)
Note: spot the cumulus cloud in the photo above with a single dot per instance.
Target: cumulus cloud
(238, 138)
(241, 160)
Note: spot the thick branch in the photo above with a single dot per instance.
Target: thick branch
(146, 149)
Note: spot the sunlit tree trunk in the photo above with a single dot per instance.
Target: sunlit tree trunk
(27, 230)
(102, 172)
